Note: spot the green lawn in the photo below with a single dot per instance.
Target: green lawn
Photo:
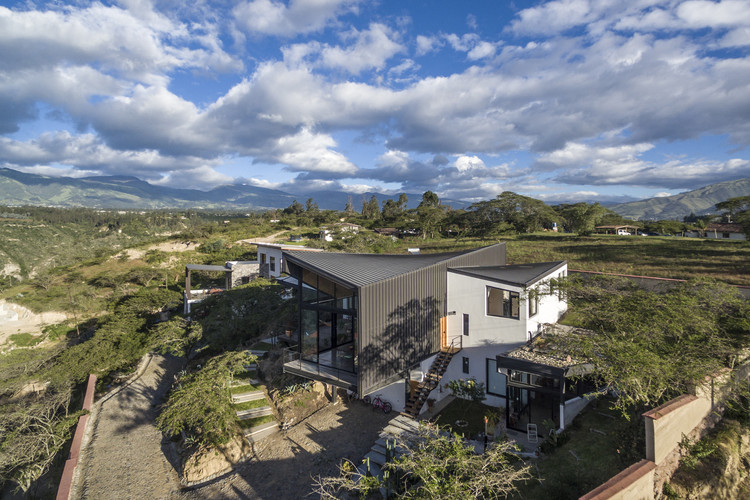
(240, 389)
(600, 444)
(471, 412)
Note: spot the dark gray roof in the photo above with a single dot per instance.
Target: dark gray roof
(517, 274)
(365, 269)
(205, 267)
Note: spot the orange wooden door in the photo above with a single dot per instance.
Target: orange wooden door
(443, 332)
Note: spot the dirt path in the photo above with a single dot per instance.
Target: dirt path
(263, 239)
(18, 319)
(285, 463)
(126, 456)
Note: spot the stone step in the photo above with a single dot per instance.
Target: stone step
(254, 412)
(248, 396)
(405, 424)
(375, 471)
(255, 434)
(244, 381)
(376, 458)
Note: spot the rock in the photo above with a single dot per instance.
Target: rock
(207, 463)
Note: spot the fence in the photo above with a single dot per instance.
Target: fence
(66, 482)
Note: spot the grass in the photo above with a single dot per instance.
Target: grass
(249, 405)
(471, 412)
(599, 456)
(25, 339)
(262, 346)
(664, 257)
(241, 389)
(254, 422)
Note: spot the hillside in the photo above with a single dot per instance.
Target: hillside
(700, 201)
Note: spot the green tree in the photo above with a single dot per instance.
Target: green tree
(200, 403)
(581, 218)
(371, 208)
(435, 465)
(511, 211)
(652, 345)
(430, 213)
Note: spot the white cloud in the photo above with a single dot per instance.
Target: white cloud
(427, 44)
(703, 13)
(269, 17)
(553, 17)
(662, 194)
(371, 49)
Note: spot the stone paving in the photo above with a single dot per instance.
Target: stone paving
(126, 456)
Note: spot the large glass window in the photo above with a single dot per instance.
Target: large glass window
(309, 344)
(503, 303)
(495, 381)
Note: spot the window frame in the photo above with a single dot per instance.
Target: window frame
(513, 303)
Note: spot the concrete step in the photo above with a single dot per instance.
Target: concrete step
(376, 458)
(248, 396)
(405, 424)
(375, 471)
(244, 381)
(254, 412)
(255, 434)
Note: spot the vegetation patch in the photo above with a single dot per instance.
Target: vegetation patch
(249, 405)
(25, 339)
(249, 423)
(471, 412)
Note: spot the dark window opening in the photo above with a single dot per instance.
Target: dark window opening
(466, 364)
(466, 324)
(502, 303)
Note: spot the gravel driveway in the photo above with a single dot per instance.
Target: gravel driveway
(127, 458)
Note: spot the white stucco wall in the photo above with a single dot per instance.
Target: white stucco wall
(269, 252)
(489, 336)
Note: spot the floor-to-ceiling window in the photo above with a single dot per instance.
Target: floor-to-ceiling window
(328, 312)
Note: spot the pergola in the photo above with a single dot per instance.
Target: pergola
(189, 268)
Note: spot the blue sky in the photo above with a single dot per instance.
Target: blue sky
(568, 100)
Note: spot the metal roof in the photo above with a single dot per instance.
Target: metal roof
(205, 267)
(365, 269)
(517, 274)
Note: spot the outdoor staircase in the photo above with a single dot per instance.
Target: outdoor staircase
(431, 380)
(254, 433)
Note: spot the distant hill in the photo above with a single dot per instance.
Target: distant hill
(18, 188)
(700, 202)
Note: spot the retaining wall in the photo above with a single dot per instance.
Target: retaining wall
(66, 482)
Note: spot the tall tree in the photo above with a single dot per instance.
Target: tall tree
(430, 213)
(371, 208)
(511, 211)
(581, 218)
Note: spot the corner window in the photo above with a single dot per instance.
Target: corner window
(502, 303)
(466, 364)
(466, 324)
(533, 303)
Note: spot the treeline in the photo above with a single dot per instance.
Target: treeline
(507, 213)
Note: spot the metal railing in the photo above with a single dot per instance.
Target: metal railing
(292, 359)
(456, 342)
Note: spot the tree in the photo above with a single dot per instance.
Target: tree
(34, 429)
(295, 208)
(435, 465)
(649, 345)
(581, 218)
(430, 213)
(349, 205)
(371, 208)
(311, 208)
(200, 404)
(511, 211)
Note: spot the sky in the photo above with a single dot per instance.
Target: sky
(564, 101)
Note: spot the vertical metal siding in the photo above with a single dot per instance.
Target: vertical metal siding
(399, 318)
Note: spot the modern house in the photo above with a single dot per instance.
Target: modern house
(404, 325)
(271, 257)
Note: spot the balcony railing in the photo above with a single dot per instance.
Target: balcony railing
(294, 364)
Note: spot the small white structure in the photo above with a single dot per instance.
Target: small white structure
(726, 231)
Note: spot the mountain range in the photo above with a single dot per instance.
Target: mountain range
(123, 192)
(699, 202)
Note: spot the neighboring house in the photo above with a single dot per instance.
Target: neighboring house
(271, 257)
(620, 230)
(725, 231)
(383, 324)
(327, 232)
